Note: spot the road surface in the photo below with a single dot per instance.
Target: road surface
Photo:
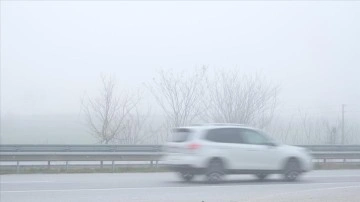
(329, 186)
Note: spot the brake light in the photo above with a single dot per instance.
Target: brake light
(194, 146)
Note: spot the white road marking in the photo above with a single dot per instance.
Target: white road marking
(22, 182)
(320, 176)
(302, 191)
(177, 187)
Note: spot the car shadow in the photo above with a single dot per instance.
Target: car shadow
(241, 182)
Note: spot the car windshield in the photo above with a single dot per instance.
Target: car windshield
(269, 137)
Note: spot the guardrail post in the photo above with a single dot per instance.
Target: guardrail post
(101, 164)
(67, 166)
(151, 163)
(112, 166)
(157, 164)
(17, 166)
(48, 165)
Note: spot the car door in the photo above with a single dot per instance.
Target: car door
(260, 155)
(226, 146)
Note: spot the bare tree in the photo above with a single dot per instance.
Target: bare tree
(237, 98)
(227, 97)
(352, 133)
(178, 96)
(107, 114)
(317, 130)
(137, 128)
(282, 129)
(331, 131)
(307, 126)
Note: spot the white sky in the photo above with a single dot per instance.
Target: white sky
(52, 52)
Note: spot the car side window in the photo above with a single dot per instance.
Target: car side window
(224, 135)
(253, 137)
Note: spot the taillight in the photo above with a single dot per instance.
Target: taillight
(194, 146)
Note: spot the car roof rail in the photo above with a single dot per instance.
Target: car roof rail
(219, 124)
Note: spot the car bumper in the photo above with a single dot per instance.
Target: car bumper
(176, 161)
(308, 164)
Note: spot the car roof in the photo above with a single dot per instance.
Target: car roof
(217, 125)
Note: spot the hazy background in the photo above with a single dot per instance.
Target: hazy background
(52, 53)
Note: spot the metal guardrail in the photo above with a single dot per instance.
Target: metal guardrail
(333, 148)
(18, 153)
(78, 148)
(328, 152)
(151, 153)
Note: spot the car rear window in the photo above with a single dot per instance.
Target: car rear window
(181, 135)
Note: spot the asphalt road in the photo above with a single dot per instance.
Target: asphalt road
(329, 186)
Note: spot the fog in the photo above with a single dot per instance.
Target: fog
(53, 53)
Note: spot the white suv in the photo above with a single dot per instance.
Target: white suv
(219, 149)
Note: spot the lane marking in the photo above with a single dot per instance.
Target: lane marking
(144, 188)
(22, 182)
(335, 176)
(302, 191)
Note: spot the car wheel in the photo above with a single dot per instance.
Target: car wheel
(292, 170)
(261, 176)
(186, 176)
(215, 171)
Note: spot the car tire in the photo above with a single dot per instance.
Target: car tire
(261, 176)
(186, 176)
(292, 170)
(215, 171)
